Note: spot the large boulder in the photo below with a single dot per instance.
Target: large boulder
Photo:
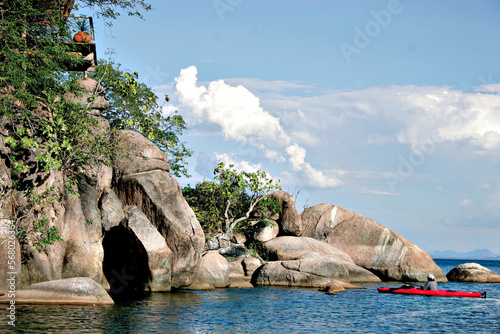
(289, 219)
(77, 219)
(286, 273)
(214, 272)
(472, 272)
(250, 264)
(81, 230)
(136, 154)
(291, 248)
(158, 253)
(369, 244)
(158, 195)
(112, 213)
(77, 290)
(312, 270)
(265, 231)
(308, 262)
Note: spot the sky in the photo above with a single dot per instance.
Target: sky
(387, 108)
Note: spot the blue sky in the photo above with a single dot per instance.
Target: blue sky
(387, 108)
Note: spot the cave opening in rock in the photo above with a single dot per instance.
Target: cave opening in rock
(125, 264)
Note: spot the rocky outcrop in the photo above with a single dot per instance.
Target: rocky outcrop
(291, 248)
(213, 273)
(158, 195)
(250, 264)
(136, 154)
(308, 262)
(338, 286)
(265, 231)
(472, 272)
(289, 219)
(369, 244)
(75, 291)
(158, 253)
(129, 229)
(236, 255)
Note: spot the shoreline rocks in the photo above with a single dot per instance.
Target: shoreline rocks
(70, 291)
(369, 244)
(472, 272)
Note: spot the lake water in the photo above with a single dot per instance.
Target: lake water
(279, 310)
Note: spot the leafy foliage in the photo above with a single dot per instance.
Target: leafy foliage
(44, 132)
(226, 205)
(110, 9)
(134, 106)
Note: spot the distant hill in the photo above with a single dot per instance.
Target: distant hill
(476, 254)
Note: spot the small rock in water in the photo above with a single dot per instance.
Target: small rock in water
(472, 272)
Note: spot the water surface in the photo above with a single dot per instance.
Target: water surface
(280, 310)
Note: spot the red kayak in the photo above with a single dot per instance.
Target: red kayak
(442, 293)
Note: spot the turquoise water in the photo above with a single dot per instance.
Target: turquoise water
(280, 310)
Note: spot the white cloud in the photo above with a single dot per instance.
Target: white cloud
(238, 165)
(305, 174)
(274, 156)
(377, 192)
(465, 203)
(235, 109)
(241, 118)
(334, 125)
(409, 115)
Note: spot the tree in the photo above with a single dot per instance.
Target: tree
(134, 106)
(43, 132)
(224, 206)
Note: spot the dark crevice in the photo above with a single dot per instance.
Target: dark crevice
(125, 264)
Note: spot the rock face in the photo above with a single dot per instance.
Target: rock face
(337, 286)
(472, 272)
(77, 290)
(159, 197)
(129, 230)
(291, 248)
(308, 262)
(369, 244)
(137, 154)
(267, 232)
(213, 273)
(289, 219)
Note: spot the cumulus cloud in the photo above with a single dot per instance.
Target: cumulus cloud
(235, 109)
(240, 165)
(285, 122)
(410, 115)
(241, 119)
(307, 175)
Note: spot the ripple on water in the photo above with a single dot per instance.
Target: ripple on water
(277, 310)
